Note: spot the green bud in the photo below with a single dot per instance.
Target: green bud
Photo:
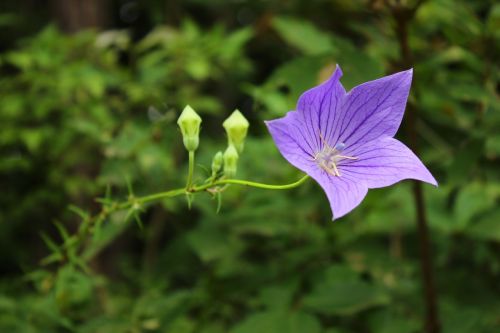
(217, 162)
(189, 123)
(230, 161)
(236, 126)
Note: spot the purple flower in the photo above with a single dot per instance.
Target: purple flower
(345, 140)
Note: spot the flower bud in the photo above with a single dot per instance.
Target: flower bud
(236, 127)
(189, 123)
(230, 161)
(217, 162)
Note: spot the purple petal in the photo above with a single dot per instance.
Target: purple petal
(384, 162)
(344, 193)
(291, 140)
(373, 109)
(359, 124)
(319, 108)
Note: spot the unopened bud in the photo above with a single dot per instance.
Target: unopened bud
(230, 161)
(236, 126)
(189, 123)
(217, 162)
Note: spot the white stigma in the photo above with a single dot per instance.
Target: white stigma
(327, 158)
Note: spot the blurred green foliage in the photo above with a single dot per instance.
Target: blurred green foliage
(82, 112)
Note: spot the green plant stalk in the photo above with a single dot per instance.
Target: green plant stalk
(190, 171)
(74, 243)
(201, 188)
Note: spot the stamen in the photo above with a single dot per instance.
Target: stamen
(328, 158)
(347, 157)
(323, 139)
(335, 169)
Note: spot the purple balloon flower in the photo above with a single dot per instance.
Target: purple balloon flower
(345, 140)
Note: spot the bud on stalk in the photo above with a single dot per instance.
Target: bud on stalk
(236, 126)
(189, 123)
(230, 161)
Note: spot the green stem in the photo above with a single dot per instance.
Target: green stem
(161, 195)
(180, 191)
(191, 170)
(78, 239)
(252, 184)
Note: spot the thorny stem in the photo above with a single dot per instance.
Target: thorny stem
(403, 16)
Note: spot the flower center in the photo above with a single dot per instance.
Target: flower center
(328, 158)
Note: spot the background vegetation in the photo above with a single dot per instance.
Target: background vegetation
(82, 110)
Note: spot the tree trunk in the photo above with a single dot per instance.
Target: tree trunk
(75, 15)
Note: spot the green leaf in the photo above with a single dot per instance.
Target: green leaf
(108, 232)
(53, 258)
(218, 197)
(345, 298)
(235, 41)
(493, 22)
(278, 297)
(73, 288)
(50, 243)
(493, 146)
(390, 321)
(464, 160)
(357, 66)
(486, 227)
(278, 322)
(78, 211)
(342, 293)
(303, 35)
(209, 243)
(458, 318)
(472, 199)
(62, 230)
(138, 220)
(299, 74)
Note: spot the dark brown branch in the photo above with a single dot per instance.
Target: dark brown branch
(75, 15)
(403, 16)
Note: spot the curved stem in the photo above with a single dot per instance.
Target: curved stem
(135, 202)
(191, 170)
(252, 184)
(180, 191)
